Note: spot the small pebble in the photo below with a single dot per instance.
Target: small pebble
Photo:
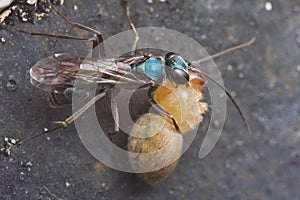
(241, 75)
(67, 184)
(13, 141)
(11, 84)
(268, 6)
(29, 164)
(75, 7)
(32, 2)
(229, 67)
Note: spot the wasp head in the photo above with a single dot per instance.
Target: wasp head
(177, 69)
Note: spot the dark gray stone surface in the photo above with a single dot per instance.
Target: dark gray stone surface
(265, 79)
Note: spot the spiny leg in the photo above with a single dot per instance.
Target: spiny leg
(131, 26)
(99, 40)
(115, 111)
(115, 114)
(96, 41)
(55, 36)
(159, 109)
(67, 121)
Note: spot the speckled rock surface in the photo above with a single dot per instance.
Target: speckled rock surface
(264, 77)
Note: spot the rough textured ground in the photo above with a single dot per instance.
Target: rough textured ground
(265, 79)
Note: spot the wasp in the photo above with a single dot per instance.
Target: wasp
(57, 74)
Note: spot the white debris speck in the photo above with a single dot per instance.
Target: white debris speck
(32, 2)
(298, 68)
(241, 75)
(149, 1)
(268, 6)
(233, 93)
(47, 138)
(29, 164)
(45, 129)
(162, 1)
(6, 139)
(62, 2)
(75, 7)
(13, 141)
(203, 37)
(2, 39)
(24, 19)
(151, 10)
(229, 67)
(67, 184)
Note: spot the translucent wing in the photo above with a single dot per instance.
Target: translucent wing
(64, 69)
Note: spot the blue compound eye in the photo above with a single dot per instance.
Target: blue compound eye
(177, 68)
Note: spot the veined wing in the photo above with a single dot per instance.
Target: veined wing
(64, 69)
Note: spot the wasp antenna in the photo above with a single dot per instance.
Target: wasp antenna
(226, 51)
(229, 96)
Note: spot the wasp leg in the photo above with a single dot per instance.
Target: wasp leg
(115, 114)
(58, 36)
(156, 106)
(98, 51)
(163, 112)
(131, 26)
(159, 109)
(67, 121)
(79, 112)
